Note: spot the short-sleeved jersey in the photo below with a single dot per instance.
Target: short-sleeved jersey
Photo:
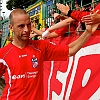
(23, 68)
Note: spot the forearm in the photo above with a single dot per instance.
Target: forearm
(61, 24)
(77, 44)
(38, 32)
(52, 35)
(58, 25)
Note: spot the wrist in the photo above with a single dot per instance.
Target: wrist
(69, 13)
(88, 32)
(48, 30)
(45, 34)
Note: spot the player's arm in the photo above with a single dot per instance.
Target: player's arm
(77, 44)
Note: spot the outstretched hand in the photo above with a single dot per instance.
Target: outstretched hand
(92, 18)
(64, 9)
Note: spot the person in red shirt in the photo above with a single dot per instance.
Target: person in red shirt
(62, 29)
(92, 17)
(56, 31)
(65, 25)
(21, 61)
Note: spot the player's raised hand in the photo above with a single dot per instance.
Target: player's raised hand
(92, 18)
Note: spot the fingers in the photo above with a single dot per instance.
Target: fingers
(59, 6)
(87, 20)
(94, 12)
(97, 11)
(89, 23)
(64, 9)
(67, 5)
(89, 16)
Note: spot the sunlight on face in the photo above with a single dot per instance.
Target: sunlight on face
(21, 26)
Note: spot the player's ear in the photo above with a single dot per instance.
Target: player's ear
(10, 27)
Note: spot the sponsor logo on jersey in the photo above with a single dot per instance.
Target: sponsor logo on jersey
(25, 75)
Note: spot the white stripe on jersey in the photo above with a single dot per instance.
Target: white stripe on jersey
(9, 74)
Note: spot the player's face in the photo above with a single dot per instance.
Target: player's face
(21, 27)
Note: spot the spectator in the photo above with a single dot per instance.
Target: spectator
(92, 17)
(78, 15)
(54, 33)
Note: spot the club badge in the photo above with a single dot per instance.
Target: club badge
(34, 62)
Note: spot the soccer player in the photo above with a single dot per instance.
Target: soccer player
(21, 61)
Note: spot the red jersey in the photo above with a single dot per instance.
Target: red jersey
(23, 68)
(62, 31)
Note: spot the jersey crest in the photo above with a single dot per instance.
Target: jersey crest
(34, 62)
